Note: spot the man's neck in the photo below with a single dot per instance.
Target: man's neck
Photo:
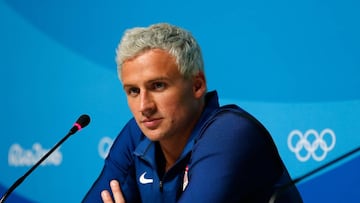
(172, 150)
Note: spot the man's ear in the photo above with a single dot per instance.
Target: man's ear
(199, 85)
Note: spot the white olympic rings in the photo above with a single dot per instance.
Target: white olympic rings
(311, 146)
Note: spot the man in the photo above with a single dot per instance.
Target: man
(181, 146)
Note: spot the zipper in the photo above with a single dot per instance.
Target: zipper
(161, 186)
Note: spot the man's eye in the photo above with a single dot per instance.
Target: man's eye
(133, 91)
(159, 86)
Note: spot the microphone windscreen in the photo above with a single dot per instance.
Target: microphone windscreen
(83, 120)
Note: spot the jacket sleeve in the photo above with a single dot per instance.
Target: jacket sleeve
(118, 165)
(235, 160)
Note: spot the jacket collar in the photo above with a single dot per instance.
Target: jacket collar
(146, 148)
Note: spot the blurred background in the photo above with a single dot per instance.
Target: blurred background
(293, 65)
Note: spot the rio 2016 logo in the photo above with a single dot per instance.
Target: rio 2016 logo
(311, 144)
(104, 146)
(18, 156)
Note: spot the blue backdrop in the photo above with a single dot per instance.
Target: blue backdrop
(294, 65)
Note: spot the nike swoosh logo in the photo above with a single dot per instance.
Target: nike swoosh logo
(144, 180)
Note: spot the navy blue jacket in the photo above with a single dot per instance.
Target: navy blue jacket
(229, 157)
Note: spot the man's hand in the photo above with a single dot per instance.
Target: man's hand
(115, 188)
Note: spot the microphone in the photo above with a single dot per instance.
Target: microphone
(81, 122)
(312, 172)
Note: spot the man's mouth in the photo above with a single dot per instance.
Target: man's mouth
(151, 123)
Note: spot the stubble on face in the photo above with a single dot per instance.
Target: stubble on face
(161, 99)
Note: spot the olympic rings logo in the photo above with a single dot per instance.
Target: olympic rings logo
(311, 144)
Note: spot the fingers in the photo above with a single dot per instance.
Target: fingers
(106, 197)
(115, 188)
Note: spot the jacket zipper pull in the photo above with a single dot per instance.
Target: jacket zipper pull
(161, 185)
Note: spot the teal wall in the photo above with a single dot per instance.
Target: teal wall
(294, 65)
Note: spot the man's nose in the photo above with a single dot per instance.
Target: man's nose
(147, 105)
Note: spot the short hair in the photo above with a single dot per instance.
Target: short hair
(176, 41)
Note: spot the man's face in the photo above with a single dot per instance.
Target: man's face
(164, 103)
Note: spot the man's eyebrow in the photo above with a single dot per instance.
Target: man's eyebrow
(149, 81)
(128, 85)
(158, 79)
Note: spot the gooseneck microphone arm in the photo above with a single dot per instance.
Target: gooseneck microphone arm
(82, 122)
(296, 180)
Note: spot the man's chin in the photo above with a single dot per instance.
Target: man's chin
(153, 136)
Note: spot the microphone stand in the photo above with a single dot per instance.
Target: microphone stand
(81, 122)
(22, 178)
(296, 180)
